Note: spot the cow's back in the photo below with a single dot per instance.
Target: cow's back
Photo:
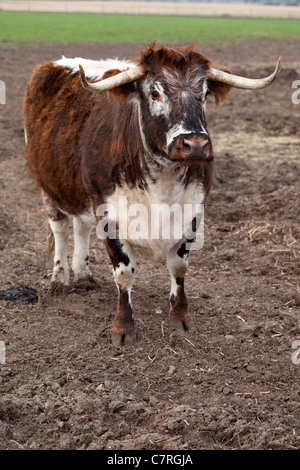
(55, 109)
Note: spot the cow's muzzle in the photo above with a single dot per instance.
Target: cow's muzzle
(191, 148)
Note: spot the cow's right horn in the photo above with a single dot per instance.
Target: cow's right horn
(112, 82)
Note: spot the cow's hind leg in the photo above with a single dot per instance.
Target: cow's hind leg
(124, 266)
(177, 262)
(59, 225)
(82, 226)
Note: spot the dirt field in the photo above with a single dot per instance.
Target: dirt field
(230, 385)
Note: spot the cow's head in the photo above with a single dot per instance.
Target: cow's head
(173, 94)
(170, 88)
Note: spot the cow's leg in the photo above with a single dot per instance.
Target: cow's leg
(177, 262)
(82, 227)
(124, 267)
(59, 225)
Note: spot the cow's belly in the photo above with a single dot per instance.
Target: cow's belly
(157, 219)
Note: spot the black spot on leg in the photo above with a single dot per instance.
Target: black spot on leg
(57, 262)
(180, 281)
(194, 225)
(132, 270)
(181, 251)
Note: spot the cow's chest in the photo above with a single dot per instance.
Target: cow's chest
(156, 219)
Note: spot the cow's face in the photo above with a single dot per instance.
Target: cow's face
(172, 98)
(173, 115)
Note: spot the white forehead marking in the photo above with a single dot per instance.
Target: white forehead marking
(159, 107)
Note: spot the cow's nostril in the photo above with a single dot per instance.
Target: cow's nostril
(186, 145)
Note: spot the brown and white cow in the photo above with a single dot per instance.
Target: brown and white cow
(103, 132)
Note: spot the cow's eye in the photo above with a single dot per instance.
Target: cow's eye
(155, 95)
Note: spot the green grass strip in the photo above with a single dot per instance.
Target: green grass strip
(71, 28)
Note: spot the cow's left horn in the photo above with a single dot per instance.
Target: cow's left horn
(112, 82)
(242, 82)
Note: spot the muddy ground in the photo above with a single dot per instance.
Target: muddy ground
(234, 383)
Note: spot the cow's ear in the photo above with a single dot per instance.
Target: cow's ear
(120, 91)
(219, 90)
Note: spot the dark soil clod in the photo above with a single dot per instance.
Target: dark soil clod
(20, 295)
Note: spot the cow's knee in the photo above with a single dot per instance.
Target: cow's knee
(124, 275)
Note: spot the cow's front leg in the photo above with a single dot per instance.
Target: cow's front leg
(177, 262)
(124, 266)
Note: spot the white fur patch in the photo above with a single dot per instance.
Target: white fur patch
(124, 276)
(93, 69)
(174, 132)
(141, 127)
(158, 107)
(133, 210)
(179, 129)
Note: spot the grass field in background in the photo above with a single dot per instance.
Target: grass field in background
(28, 27)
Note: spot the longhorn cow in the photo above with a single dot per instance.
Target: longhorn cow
(104, 133)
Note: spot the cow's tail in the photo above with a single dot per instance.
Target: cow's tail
(50, 241)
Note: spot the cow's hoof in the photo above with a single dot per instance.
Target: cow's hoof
(57, 288)
(123, 339)
(86, 283)
(182, 325)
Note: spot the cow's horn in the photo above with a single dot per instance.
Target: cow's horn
(112, 82)
(242, 82)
